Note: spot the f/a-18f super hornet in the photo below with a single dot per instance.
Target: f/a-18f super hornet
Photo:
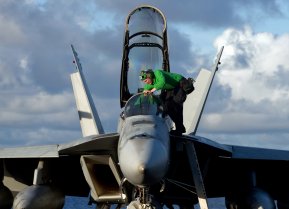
(142, 165)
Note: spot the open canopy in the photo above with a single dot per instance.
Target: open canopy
(145, 47)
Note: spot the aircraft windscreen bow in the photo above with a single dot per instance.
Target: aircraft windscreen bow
(145, 47)
(140, 104)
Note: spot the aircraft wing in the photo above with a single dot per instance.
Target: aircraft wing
(92, 144)
(66, 169)
(226, 170)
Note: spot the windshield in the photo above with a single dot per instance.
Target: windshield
(140, 104)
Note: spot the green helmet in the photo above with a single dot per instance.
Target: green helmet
(144, 74)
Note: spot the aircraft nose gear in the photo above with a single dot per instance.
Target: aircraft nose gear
(136, 204)
(144, 200)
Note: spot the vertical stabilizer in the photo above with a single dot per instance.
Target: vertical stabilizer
(195, 102)
(88, 116)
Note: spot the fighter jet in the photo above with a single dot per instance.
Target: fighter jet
(142, 165)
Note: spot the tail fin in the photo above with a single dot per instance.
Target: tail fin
(195, 102)
(88, 116)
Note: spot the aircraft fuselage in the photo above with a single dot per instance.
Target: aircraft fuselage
(143, 149)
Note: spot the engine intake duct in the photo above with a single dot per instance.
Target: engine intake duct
(103, 178)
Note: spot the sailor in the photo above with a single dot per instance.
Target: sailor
(172, 95)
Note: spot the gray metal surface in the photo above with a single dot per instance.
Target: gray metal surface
(195, 103)
(197, 175)
(143, 148)
(88, 116)
(91, 143)
(254, 153)
(46, 151)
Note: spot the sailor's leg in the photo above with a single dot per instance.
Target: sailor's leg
(175, 111)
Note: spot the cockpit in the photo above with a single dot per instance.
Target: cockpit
(141, 104)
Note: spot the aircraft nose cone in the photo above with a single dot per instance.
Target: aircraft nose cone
(141, 169)
(144, 161)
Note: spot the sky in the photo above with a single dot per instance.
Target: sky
(248, 103)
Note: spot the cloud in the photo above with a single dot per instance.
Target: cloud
(255, 95)
(11, 33)
(38, 118)
(37, 109)
(36, 60)
(251, 62)
(205, 13)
